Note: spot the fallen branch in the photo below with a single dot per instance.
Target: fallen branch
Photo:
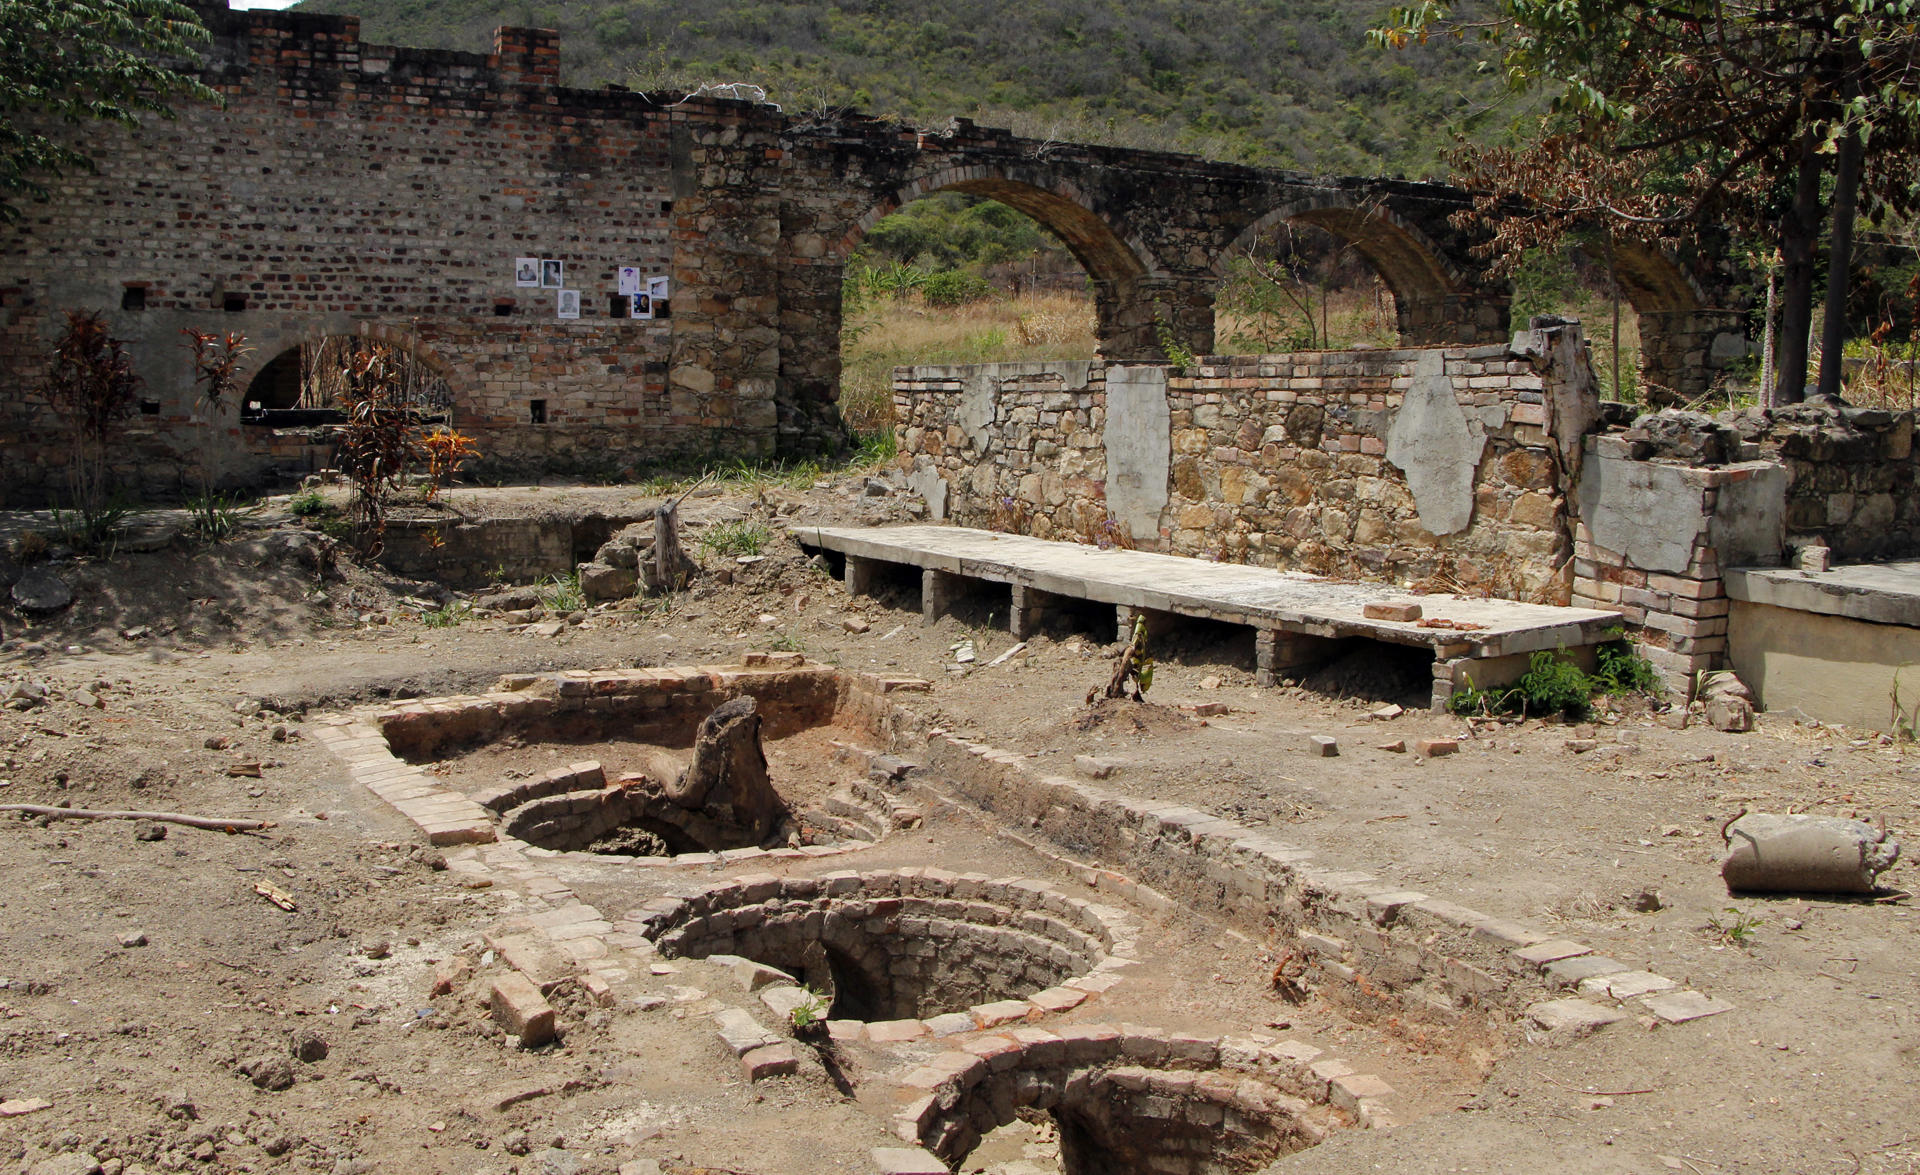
(210, 823)
(1605, 1092)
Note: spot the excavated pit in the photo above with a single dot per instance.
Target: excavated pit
(898, 945)
(634, 738)
(1127, 1101)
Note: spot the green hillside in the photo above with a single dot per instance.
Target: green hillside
(1289, 83)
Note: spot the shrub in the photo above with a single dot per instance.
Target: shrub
(735, 538)
(311, 504)
(955, 287)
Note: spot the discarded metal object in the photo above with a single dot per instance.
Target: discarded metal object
(1805, 854)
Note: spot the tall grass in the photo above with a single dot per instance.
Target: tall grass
(894, 332)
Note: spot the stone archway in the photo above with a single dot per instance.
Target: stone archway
(1434, 302)
(1683, 340)
(284, 378)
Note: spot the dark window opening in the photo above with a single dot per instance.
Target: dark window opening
(537, 411)
(619, 306)
(133, 298)
(666, 207)
(277, 385)
(149, 407)
(233, 303)
(662, 308)
(503, 308)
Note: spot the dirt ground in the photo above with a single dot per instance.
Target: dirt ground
(145, 985)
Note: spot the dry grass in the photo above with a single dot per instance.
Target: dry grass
(892, 332)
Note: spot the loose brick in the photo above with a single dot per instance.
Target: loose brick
(519, 1008)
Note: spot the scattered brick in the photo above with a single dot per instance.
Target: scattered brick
(519, 1008)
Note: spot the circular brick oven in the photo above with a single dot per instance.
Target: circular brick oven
(1123, 1101)
(900, 945)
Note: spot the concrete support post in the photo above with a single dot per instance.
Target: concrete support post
(859, 575)
(936, 591)
(1028, 611)
(1123, 622)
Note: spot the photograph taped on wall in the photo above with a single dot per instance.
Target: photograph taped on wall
(567, 304)
(526, 271)
(657, 295)
(630, 280)
(553, 274)
(640, 307)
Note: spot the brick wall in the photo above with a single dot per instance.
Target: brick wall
(1279, 460)
(346, 187)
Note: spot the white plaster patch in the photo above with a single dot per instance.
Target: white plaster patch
(1139, 442)
(926, 481)
(1432, 443)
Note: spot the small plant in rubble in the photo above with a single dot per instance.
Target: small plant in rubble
(91, 384)
(216, 365)
(446, 451)
(379, 440)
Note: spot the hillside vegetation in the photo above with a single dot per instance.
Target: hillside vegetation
(1287, 83)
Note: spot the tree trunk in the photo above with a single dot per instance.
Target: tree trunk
(1799, 230)
(727, 780)
(669, 563)
(1833, 336)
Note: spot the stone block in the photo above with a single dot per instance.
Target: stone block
(1677, 1007)
(1397, 613)
(519, 1008)
(1433, 748)
(1572, 1016)
(1324, 746)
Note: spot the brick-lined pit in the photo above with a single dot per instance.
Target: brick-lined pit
(905, 944)
(1129, 1100)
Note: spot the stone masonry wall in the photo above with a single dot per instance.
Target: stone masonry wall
(1312, 461)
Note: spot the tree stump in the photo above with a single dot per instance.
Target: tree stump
(727, 780)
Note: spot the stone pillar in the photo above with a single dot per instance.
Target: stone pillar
(859, 575)
(1275, 651)
(936, 593)
(1683, 351)
(1028, 611)
(1129, 315)
(1437, 319)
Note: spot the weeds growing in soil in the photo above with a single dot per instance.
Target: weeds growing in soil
(788, 642)
(735, 538)
(216, 516)
(560, 593)
(1553, 684)
(311, 504)
(1737, 929)
(448, 615)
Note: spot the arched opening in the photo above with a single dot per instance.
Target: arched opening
(963, 268)
(1650, 334)
(301, 384)
(1332, 272)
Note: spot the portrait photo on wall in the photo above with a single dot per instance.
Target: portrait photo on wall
(568, 304)
(630, 280)
(640, 307)
(553, 274)
(526, 271)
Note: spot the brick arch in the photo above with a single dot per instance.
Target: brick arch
(1406, 258)
(1653, 282)
(1107, 253)
(287, 345)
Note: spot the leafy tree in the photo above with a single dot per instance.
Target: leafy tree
(1669, 116)
(72, 62)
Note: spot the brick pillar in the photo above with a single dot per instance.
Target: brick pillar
(1275, 651)
(1028, 611)
(529, 57)
(1683, 351)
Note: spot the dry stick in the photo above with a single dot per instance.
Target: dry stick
(1604, 1092)
(210, 823)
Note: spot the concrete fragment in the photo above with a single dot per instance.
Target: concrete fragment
(1805, 854)
(519, 1008)
(599, 582)
(1138, 435)
(741, 1032)
(1323, 745)
(891, 1160)
(1387, 713)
